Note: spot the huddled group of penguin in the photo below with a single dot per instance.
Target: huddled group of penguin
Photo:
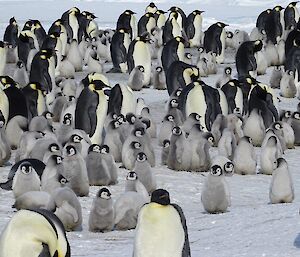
(66, 128)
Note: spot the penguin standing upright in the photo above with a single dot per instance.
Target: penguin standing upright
(291, 16)
(127, 21)
(139, 54)
(11, 33)
(118, 49)
(274, 29)
(194, 28)
(2, 58)
(171, 28)
(214, 40)
(70, 21)
(169, 221)
(146, 24)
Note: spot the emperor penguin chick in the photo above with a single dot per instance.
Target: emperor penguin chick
(227, 144)
(166, 127)
(145, 113)
(215, 194)
(224, 78)
(113, 139)
(20, 74)
(254, 127)
(275, 78)
(102, 214)
(269, 154)
(159, 79)
(136, 78)
(244, 157)
(144, 172)
(26, 179)
(281, 188)
(287, 85)
(177, 142)
(165, 151)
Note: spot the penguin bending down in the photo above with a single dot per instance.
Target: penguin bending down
(169, 221)
(45, 235)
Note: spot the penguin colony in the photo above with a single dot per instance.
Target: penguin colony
(67, 135)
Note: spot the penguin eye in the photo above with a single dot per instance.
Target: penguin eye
(216, 171)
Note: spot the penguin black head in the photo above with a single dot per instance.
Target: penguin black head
(197, 12)
(277, 67)
(129, 12)
(188, 56)
(197, 127)
(169, 118)
(216, 171)
(195, 116)
(160, 196)
(94, 148)
(147, 122)
(290, 72)
(201, 49)
(228, 168)
(135, 145)
(258, 45)
(104, 149)
(141, 68)
(176, 131)
(57, 159)
(104, 193)
(2, 44)
(139, 132)
(160, 12)
(293, 4)
(229, 34)
(228, 70)
(286, 114)
(67, 119)
(277, 126)
(121, 119)
(278, 8)
(62, 180)
(48, 115)
(152, 5)
(178, 92)
(20, 64)
(131, 118)
(221, 24)
(141, 157)
(149, 14)
(174, 103)
(26, 167)
(180, 39)
(76, 138)
(115, 124)
(166, 143)
(209, 136)
(280, 162)
(113, 115)
(71, 150)
(159, 69)
(12, 20)
(296, 115)
(131, 176)
(53, 147)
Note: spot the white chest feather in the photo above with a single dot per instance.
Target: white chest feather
(4, 105)
(129, 102)
(159, 232)
(41, 105)
(2, 60)
(73, 22)
(142, 56)
(281, 182)
(176, 30)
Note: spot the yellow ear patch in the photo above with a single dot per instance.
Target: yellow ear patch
(249, 80)
(33, 86)
(178, 39)
(231, 84)
(257, 42)
(43, 57)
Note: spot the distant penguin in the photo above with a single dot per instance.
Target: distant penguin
(214, 40)
(177, 142)
(165, 151)
(254, 127)
(281, 188)
(118, 49)
(11, 32)
(165, 131)
(136, 78)
(129, 155)
(3, 54)
(167, 219)
(245, 60)
(287, 85)
(75, 171)
(26, 179)
(139, 54)
(269, 154)
(173, 51)
(74, 56)
(152, 8)
(113, 139)
(144, 172)
(102, 214)
(294, 121)
(214, 196)
(127, 21)
(194, 28)
(242, 165)
(226, 77)
(159, 79)
(68, 208)
(46, 235)
(276, 76)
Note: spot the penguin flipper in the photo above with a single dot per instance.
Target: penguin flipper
(186, 251)
(7, 185)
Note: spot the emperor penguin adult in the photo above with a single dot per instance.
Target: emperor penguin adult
(281, 188)
(214, 40)
(11, 33)
(127, 21)
(118, 49)
(245, 60)
(274, 28)
(139, 54)
(234, 95)
(242, 165)
(46, 236)
(151, 8)
(26, 179)
(121, 100)
(215, 195)
(146, 23)
(194, 28)
(171, 28)
(167, 218)
(291, 16)
(102, 214)
(172, 51)
(70, 21)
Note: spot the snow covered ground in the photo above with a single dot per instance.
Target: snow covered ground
(251, 227)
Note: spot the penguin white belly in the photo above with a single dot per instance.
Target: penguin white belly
(161, 21)
(267, 160)
(4, 105)
(129, 102)
(64, 39)
(74, 25)
(159, 232)
(133, 26)
(195, 102)
(101, 112)
(180, 52)
(142, 56)
(176, 30)
(2, 61)
(196, 40)
(297, 16)
(41, 105)
(223, 102)
(281, 187)
(150, 25)
(239, 101)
